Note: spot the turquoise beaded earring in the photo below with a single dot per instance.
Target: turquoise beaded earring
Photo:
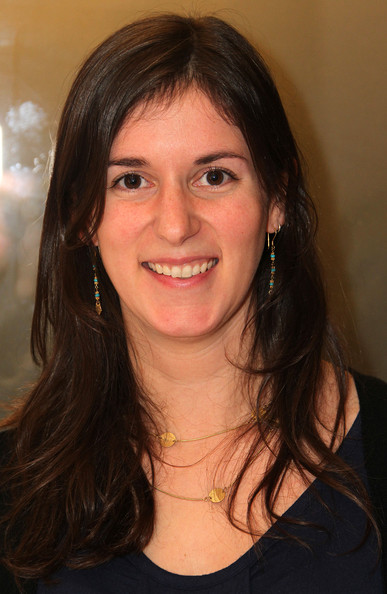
(98, 307)
(272, 259)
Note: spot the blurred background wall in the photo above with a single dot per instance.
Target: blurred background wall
(329, 58)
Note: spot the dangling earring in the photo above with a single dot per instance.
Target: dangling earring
(272, 259)
(98, 307)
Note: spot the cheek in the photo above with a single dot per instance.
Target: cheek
(246, 227)
(120, 227)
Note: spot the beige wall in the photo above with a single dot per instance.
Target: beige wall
(329, 58)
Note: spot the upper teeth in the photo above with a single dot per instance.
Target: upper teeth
(185, 271)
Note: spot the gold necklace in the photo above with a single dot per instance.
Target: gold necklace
(216, 495)
(169, 439)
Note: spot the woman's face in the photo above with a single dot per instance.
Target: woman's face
(185, 220)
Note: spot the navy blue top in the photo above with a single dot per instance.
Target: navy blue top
(328, 565)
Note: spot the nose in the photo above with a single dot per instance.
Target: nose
(176, 217)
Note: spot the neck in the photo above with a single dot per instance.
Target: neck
(193, 383)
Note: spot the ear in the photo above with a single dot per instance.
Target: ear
(87, 240)
(94, 240)
(276, 217)
(89, 236)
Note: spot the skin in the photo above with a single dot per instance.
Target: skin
(161, 207)
(182, 190)
(168, 210)
(176, 217)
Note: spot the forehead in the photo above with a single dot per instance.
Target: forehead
(188, 120)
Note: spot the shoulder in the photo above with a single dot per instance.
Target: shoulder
(372, 394)
(369, 395)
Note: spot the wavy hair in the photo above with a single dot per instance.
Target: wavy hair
(77, 491)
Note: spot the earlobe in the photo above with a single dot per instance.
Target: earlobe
(276, 218)
(93, 239)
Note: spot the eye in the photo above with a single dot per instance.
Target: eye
(130, 181)
(215, 177)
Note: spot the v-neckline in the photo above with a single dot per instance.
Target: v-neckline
(296, 509)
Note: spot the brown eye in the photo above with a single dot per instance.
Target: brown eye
(215, 177)
(132, 181)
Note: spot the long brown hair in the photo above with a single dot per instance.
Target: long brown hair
(77, 491)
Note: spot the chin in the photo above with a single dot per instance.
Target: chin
(187, 327)
(184, 330)
(174, 322)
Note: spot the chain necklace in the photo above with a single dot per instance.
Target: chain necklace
(169, 439)
(216, 495)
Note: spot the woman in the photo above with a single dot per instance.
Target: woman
(194, 427)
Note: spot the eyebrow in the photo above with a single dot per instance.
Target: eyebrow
(205, 160)
(128, 162)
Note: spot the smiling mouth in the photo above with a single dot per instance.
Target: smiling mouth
(185, 271)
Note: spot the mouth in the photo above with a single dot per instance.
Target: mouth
(184, 271)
